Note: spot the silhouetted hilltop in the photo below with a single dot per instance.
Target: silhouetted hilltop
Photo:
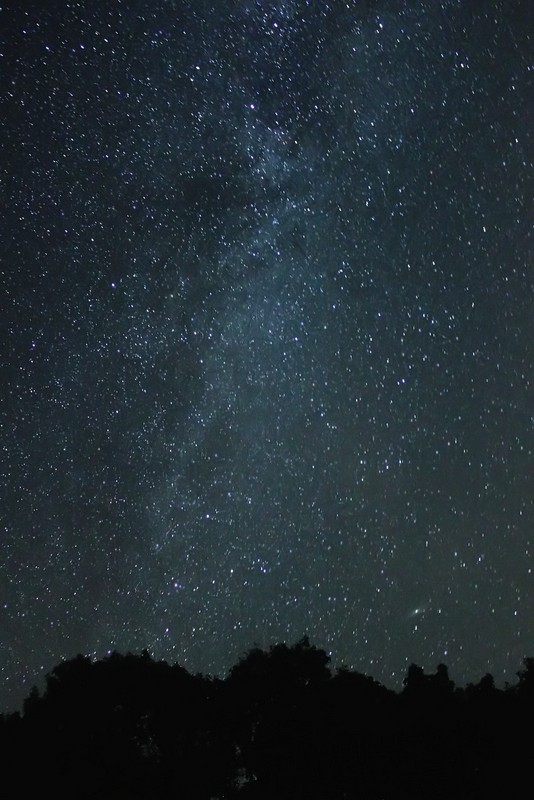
(282, 725)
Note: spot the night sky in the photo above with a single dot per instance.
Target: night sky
(267, 333)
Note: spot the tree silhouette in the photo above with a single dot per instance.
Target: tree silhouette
(281, 725)
(269, 689)
(525, 687)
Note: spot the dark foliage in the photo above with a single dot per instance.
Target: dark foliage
(280, 726)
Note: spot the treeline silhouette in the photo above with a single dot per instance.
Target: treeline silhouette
(281, 726)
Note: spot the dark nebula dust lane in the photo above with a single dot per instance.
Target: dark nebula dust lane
(267, 333)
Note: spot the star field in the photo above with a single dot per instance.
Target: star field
(267, 333)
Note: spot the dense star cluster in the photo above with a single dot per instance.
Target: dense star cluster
(267, 333)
